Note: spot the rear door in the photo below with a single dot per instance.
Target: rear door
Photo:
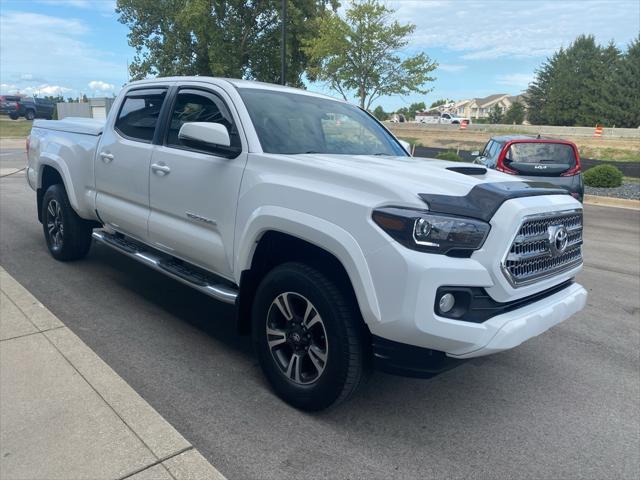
(540, 159)
(547, 161)
(194, 189)
(123, 159)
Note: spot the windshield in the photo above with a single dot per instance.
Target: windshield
(541, 152)
(291, 123)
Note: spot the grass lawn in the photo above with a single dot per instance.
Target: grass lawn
(14, 128)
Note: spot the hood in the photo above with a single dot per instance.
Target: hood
(406, 176)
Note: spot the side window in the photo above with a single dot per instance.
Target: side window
(139, 114)
(487, 149)
(200, 106)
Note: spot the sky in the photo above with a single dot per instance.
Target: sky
(73, 47)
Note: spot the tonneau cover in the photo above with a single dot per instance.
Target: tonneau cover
(86, 126)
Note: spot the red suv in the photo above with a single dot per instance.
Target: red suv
(540, 159)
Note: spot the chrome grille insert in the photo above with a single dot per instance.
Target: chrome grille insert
(545, 245)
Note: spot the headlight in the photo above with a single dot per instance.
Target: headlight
(432, 232)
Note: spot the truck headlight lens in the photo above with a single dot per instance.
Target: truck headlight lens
(432, 232)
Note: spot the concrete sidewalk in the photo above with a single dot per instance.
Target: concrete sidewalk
(64, 414)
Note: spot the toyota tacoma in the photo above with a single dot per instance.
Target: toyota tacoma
(341, 252)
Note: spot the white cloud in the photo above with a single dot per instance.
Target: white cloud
(101, 86)
(482, 30)
(53, 54)
(448, 67)
(519, 80)
(40, 90)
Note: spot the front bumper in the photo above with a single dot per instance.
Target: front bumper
(407, 281)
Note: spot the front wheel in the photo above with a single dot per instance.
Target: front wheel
(30, 115)
(309, 337)
(67, 235)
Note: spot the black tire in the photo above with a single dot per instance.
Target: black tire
(29, 115)
(345, 344)
(67, 235)
(13, 116)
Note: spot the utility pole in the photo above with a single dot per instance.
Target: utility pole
(283, 44)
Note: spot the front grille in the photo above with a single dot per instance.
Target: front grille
(538, 250)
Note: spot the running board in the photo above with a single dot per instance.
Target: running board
(184, 272)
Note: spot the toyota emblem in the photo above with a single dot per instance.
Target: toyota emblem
(558, 239)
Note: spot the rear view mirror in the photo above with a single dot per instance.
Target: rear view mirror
(205, 134)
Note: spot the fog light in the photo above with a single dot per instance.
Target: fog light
(446, 303)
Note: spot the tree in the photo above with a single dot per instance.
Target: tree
(587, 84)
(622, 94)
(495, 115)
(442, 101)
(414, 108)
(230, 38)
(380, 114)
(359, 54)
(514, 114)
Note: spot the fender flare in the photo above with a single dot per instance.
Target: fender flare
(55, 162)
(317, 231)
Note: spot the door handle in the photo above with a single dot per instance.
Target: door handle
(160, 169)
(106, 157)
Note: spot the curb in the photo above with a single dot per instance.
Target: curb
(164, 454)
(612, 202)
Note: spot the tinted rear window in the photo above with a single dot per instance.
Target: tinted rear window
(542, 153)
(139, 114)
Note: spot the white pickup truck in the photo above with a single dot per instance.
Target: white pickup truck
(340, 251)
(442, 118)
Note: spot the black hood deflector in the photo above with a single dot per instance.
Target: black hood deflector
(483, 200)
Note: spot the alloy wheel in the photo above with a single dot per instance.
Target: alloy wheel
(55, 225)
(297, 338)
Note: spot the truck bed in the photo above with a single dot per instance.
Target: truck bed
(85, 126)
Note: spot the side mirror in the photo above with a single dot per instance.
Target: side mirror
(205, 134)
(405, 145)
(475, 153)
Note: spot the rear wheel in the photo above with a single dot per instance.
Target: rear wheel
(310, 339)
(67, 235)
(13, 116)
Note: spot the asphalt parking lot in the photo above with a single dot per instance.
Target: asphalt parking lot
(564, 405)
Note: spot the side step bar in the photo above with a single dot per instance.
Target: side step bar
(190, 275)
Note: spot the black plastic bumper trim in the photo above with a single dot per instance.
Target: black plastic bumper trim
(408, 360)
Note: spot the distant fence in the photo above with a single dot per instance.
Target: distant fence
(630, 169)
(73, 110)
(525, 129)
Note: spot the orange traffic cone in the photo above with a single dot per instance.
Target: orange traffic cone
(598, 131)
(463, 124)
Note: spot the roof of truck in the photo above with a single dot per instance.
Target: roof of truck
(236, 82)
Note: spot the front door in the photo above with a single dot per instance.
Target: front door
(122, 163)
(194, 190)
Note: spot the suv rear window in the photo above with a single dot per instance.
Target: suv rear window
(539, 152)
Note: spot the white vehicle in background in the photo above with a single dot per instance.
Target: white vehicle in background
(339, 250)
(441, 118)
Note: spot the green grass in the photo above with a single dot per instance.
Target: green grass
(14, 128)
(610, 154)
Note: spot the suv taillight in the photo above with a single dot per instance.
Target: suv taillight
(575, 170)
(500, 166)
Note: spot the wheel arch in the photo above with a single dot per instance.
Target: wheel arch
(50, 174)
(274, 237)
